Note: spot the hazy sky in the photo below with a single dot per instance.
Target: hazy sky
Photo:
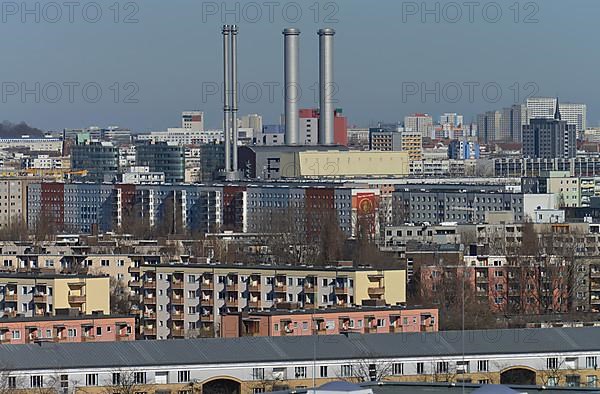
(385, 54)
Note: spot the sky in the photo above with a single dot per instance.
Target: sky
(138, 64)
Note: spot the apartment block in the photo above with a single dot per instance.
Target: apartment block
(188, 300)
(29, 295)
(329, 321)
(67, 329)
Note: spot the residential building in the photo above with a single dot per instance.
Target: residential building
(46, 144)
(165, 157)
(13, 200)
(330, 321)
(182, 300)
(463, 150)
(143, 175)
(488, 127)
(309, 127)
(384, 140)
(27, 295)
(412, 142)
(67, 329)
(419, 123)
(452, 119)
(256, 364)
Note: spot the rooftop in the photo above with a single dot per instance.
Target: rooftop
(248, 350)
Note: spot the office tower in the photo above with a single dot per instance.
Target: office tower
(549, 138)
(99, 159)
(163, 157)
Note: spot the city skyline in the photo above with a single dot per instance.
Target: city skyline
(372, 80)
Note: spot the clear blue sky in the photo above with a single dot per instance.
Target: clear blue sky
(175, 48)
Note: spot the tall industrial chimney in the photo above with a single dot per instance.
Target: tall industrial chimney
(226, 97)
(292, 87)
(326, 87)
(234, 97)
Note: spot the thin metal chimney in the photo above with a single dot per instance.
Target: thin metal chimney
(234, 97)
(292, 87)
(326, 87)
(226, 97)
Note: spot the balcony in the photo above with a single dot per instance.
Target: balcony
(177, 332)
(396, 329)
(122, 336)
(207, 286)
(595, 274)
(233, 287)
(254, 288)
(179, 285)
(150, 284)
(134, 270)
(149, 331)
(76, 299)
(40, 298)
(254, 304)
(340, 290)
(135, 283)
(177, 301)
(150, 300)
(177, 316)
(150, 315)
(207, 318)
(310, 288)
(370, 330)
(11, 297)
(376, 291)
(232, 303)
(280, 288)
(482, 279)
(88, 338)
(207, 302)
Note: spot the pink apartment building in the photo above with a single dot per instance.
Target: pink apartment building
(82, 328)
(330, 321)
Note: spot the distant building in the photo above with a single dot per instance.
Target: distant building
(452, 119)
(252, 121)
(309, 127)
(463, 150)
(192, 120)
(545, 108)
(384, 140)
(143, 175)
(67, 329)
(164, 157)
(330, 321)
(273, 134)
(99, 159)
(488, 126)
(549, 138)
(33, 144)
(412, 142)
(30, 295)
(420, 123)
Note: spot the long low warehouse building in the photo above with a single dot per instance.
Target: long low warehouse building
(555, 356)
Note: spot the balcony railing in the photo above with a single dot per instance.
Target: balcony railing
(11, 297)
(177, 285)
(177, 332)
(231, 287)
(177, 301)
(76, 299)
(40, 298)
(207, 318)
(150, 284)
(207, 286)
(340, 290)
(150, 300)
(149, 331)
(177, 316)
(232, 303)
(376, 291)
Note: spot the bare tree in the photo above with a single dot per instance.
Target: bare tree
(369, 368)
(124, 381)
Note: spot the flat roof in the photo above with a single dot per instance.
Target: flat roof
(39, 319)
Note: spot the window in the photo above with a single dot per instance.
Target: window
(36, 381)
(258, 373)
(16, 334)
(398, 369)
(483, 366)
(72, 332)
(346, 371)
(592, 381)
(591, 362)
(573, 380)
(257, 390)
(116, 378)
(91, 379)
(441, 367)
(139, 377)
(300, 372)
(483, 381)
(99, 331)
(552, 363)
(323, 371)
(191, 278)
(420, 368)
(183, 376)
(462, 367)
(12, 382)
